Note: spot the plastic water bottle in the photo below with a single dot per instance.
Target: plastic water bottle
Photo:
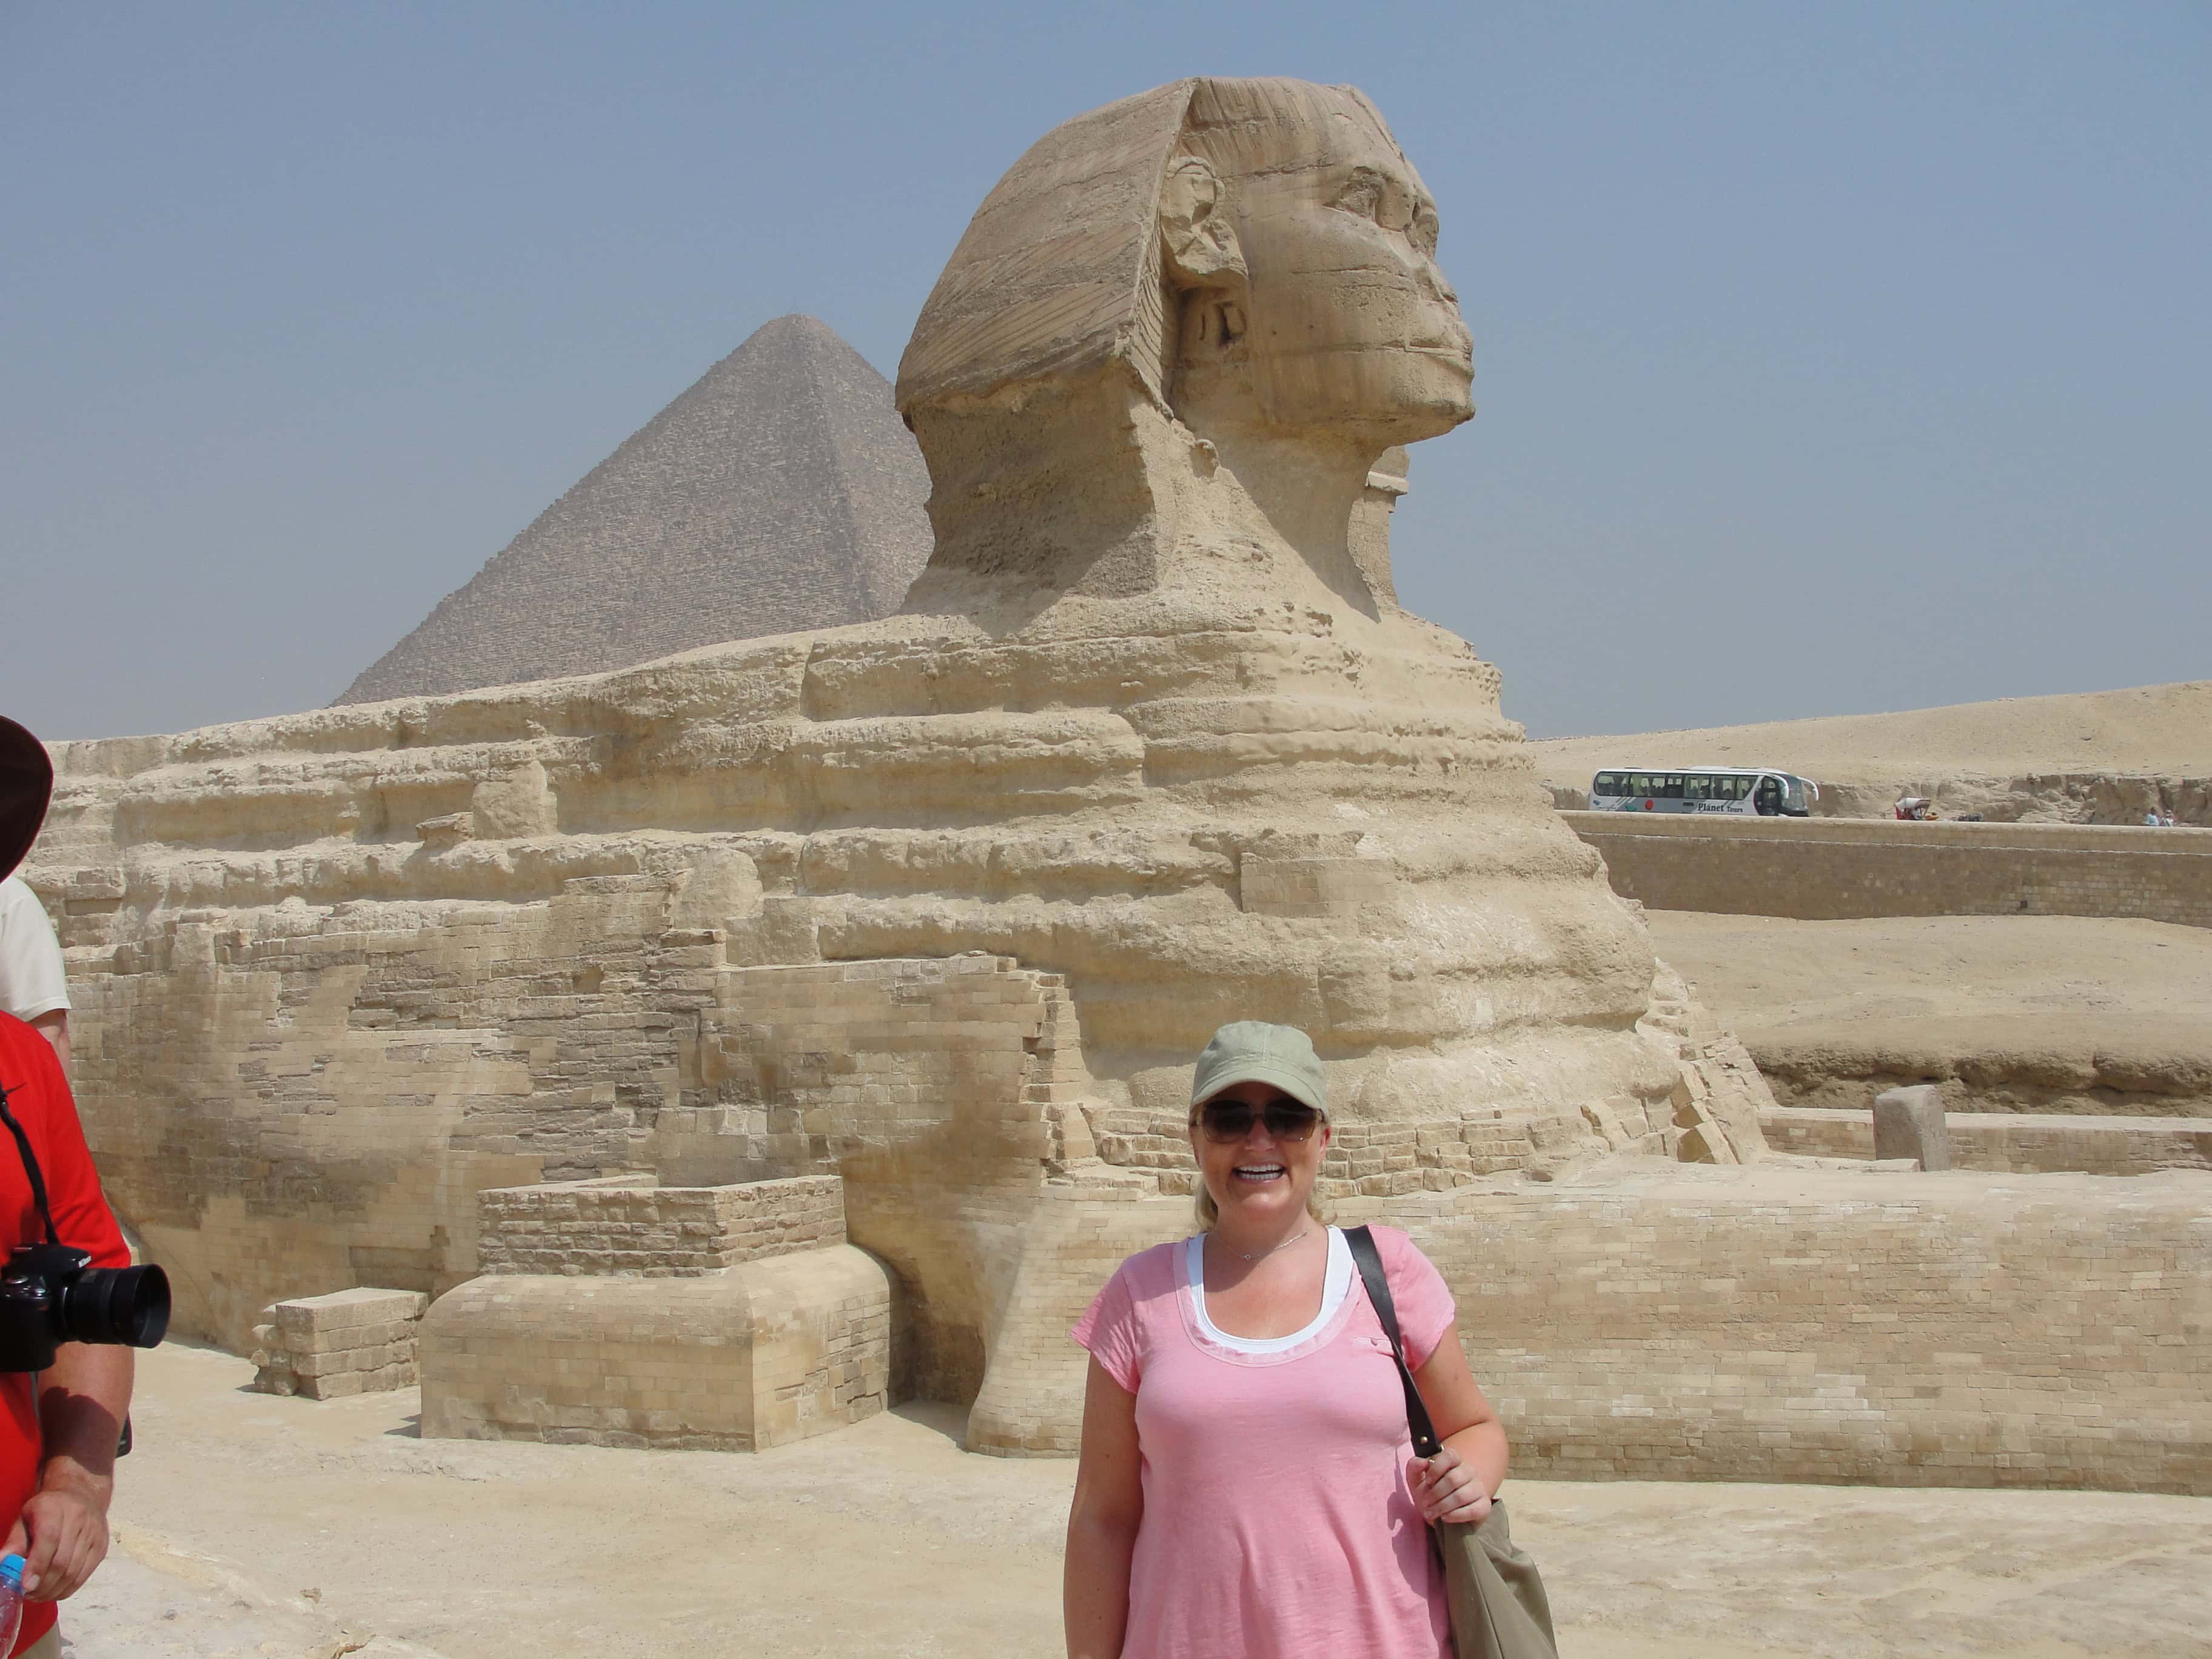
(11, 1599)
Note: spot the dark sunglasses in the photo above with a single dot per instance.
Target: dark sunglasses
(1231, 1121)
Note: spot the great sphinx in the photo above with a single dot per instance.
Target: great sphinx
(945, 903)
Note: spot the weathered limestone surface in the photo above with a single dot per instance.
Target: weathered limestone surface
(2011, 1142)
(349, 1342)
(1908, 1122)
(740, 1359)
(941, 903)
(621, 1312)
(631, 1224)
(1823, 869)
(1645, 1321)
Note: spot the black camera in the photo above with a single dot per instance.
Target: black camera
(50, 1294)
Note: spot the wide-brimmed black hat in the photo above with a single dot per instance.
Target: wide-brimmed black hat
(26, 784)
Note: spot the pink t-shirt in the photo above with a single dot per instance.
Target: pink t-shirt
(1278, 1520)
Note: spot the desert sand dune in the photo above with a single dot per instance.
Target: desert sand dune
(2097, 757)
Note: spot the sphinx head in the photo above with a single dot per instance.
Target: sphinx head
(1299, 249)
(1244, 266)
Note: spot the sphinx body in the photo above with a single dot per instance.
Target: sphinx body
(943, 904)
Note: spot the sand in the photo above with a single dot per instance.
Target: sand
(2018, 757)
(2050, 1013)
(2154, 729)
(249, 1525)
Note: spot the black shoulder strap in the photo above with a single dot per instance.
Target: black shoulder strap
(30, 1165)
(1369, 1261)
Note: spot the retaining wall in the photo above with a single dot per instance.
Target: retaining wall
(2012, 1142)
(1827, 869)
(1637, 1319)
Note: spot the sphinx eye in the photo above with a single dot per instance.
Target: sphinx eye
(1362, 193)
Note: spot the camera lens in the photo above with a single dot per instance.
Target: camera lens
(116, 1305)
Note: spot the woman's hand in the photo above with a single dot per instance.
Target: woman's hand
(1448, 1489)
(1456, 1485)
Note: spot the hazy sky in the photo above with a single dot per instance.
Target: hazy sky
(1830, 357)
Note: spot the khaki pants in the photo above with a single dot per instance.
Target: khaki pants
(48, 1646)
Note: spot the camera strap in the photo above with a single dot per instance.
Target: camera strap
(30, 1166)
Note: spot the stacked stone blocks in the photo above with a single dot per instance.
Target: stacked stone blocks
(629, 1225)
(618, 1312)
(349, 1342)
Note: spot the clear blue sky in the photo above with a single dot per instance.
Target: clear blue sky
(1830, 357)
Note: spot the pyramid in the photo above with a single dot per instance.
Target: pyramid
(779, 492)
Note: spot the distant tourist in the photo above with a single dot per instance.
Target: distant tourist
(1248, 1486)
(32, 986)
(2152, 820)
(61, 1409)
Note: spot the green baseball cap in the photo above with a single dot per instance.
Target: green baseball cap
(1253, 1051)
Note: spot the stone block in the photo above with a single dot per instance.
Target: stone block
(349, 1342)
(748, 1357)
(305, 1319)
(1909, 1123)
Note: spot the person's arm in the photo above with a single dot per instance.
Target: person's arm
(63, 1531)
(53, 1025)
(1458, 1483)
(1102, 1522)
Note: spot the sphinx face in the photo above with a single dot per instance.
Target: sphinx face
(1351, 321)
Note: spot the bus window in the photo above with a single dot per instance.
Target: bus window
(1609, 783)
(1674, 785)
(1694, 786)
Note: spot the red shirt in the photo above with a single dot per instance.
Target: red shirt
(39, 1097)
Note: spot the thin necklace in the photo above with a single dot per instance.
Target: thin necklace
(1271, 1248)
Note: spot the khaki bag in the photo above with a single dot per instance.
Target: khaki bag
(1498, 1604)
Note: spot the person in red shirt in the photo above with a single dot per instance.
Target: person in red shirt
(59, 1427)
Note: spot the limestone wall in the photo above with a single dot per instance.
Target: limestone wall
(1822, 869)
(1643, 1321)
(1940, 1330)
(911, 903)
(2013, 1143)
(631, 1224)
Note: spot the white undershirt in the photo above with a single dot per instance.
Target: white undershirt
(1336, 1283)
(32, 980)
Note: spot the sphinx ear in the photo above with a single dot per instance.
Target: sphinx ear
(1197, 242)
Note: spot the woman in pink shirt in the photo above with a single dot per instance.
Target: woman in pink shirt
(1248, 1487)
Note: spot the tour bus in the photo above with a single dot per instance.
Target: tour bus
(1760, 790)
